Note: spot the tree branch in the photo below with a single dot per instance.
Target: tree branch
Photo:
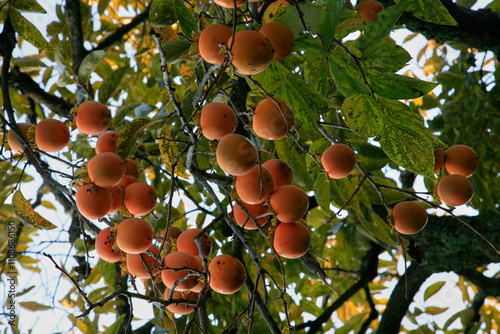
(118, 34)
(74, 16)
(479, 29)
(30, 89)
(398, 304)
(368, 273)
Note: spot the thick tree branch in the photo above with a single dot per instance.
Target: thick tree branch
(479, 29)
(398, 304)
(74, 16)
(30, 89)
(490, 286)
(444, 245)
(368, 273)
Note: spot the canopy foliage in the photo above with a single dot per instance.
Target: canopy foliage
(346, 81)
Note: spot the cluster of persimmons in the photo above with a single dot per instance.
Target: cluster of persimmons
(267, 199)
(454, 189)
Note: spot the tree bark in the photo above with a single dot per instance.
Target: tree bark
(479, 29)
(401, 298)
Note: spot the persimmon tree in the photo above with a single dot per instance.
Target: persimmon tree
(345, 83)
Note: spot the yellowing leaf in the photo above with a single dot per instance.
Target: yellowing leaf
(27, 214)
(169, 152)
(433, 289)
(34, 306)
(128, 135)
(28, 31)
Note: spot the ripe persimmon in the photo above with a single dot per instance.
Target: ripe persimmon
(368, 10)
(460, 159)
(51, 135)
(93, 202)
(455, 190)
(282, 172)
(93, 118)
(438, 159)
(217, 120)
(174, 261)
(106, 169)
(136, 267)
(230, 3)
(281, 37)
(12, 139)
(255, 186)
(134, 235)
(186, 242)
(292, 240)
(271, 121)
(139, 198)
(255, 210)
(290, 203)
(106, 142)
(409, 217)
(117, 194)
(104, 246)
(131, 168)
(181, 308)
(209, 41)
(127, 180)
(252, 52)
(227, 274)
(236, 155)
(172, 234)
(338, 160)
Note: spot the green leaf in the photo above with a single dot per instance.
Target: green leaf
(349, 22)
(371, 221)
(390, 196)
(49, 205)
(123, 112)
(305, 102)
(376, 31)
(28, 31)
(27, 214)
(128, 136)
(114, 327)
(29, 6)
(2, 199)
(176, 49)
(387, 57)
(169, 153)
(396, 87)
(346, 84)
(311, 14)
(405, 139)
(433, 289)
(34, 306)
(371, 157)
(108, 272)
(362, 115)
(162, 13)
(330, 19)
(403, 136)
(341, 190)
(89, 64)
(322, 191)
(429, 10)
(110, 84)
(103, 4)
(185, 17)
(434, 310)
